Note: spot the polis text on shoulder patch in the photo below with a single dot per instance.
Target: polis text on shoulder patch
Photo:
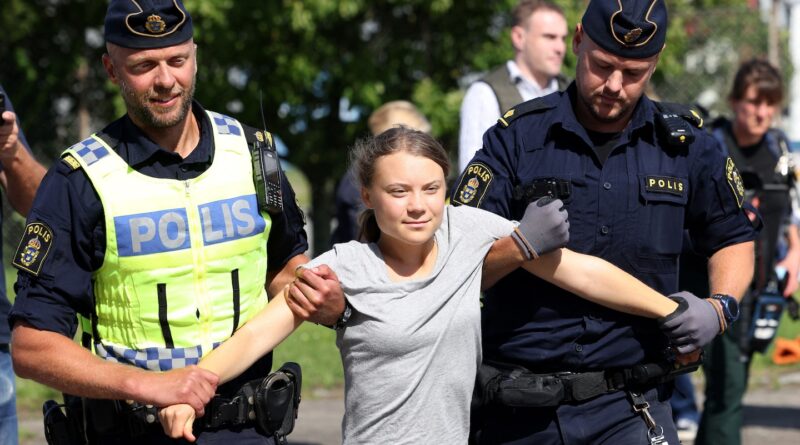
(33, 248)
(473, 185)
(735, 181)
(664, 184)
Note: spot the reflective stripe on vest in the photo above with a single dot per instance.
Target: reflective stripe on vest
(185, 261)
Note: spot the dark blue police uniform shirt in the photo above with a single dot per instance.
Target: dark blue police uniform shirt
(69, 205)
(616, 213)
(5, 306)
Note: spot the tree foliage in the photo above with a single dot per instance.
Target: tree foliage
(319, 67)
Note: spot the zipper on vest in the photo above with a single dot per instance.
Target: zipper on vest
(199, 269)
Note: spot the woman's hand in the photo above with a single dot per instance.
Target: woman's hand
(177, 421)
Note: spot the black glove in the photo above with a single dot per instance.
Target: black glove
(543, 228)
(693, 324)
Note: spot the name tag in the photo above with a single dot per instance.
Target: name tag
(664, 184)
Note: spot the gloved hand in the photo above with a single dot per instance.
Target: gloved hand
(693, 324)
(543, 228)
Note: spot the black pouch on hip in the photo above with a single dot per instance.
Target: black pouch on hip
(277, 401)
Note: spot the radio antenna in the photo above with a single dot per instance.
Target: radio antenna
(261, 107)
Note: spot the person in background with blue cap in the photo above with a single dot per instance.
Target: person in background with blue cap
(20, 175)
(151, 233)
(633, 173)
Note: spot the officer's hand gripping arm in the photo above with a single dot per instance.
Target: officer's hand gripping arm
(694, 323)
(56, 361)
(317, 295)
(543, 228)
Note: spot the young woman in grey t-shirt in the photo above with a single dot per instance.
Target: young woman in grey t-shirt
(411, 347)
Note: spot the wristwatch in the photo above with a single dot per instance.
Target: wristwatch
(342, 321)
(730, 307)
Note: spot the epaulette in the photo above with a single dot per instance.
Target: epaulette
(536, 105)
(70, 162)
(254, 135)
(676, 123)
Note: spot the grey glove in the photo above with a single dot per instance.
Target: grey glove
(543, 228)
(693, 324)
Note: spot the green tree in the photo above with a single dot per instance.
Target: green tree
(322, 66)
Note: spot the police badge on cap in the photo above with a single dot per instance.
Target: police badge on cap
(144, 24)
(634, 29)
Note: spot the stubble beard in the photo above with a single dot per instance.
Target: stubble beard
(136, 104)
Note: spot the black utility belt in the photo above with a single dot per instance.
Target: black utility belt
(269, 404)
(514, 386)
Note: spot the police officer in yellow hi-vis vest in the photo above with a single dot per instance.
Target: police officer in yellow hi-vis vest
(155, 233)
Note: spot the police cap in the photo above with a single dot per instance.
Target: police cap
(146, 24)
(634, 29)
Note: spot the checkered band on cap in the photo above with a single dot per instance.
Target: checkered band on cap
(90, 150)
(154, 359)
(225, 124)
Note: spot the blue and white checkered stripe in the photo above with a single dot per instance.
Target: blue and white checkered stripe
(90, 149)
(225, 124)
(154, 359)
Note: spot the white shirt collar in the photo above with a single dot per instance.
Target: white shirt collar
(528, 88)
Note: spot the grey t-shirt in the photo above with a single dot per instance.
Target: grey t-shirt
(411, 349)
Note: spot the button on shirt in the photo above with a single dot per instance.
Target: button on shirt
(69, 205)
(480, 110)
(618, 210)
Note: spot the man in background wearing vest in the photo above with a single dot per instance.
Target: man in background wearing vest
(154, 235)
(538, 34)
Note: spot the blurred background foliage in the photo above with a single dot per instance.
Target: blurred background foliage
(322, 66)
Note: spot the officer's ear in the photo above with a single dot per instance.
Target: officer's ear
(577, 38)
(108, 64)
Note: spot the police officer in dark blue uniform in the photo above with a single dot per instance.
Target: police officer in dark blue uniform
(68, 268)
(632, 178)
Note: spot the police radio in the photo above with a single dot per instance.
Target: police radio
(675, 129)
(266, 169)
(267, 173)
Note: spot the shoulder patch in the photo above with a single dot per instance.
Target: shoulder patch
(734, 181)
(71, 162)
(33, 248)
(532, 106)
(473, 185)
